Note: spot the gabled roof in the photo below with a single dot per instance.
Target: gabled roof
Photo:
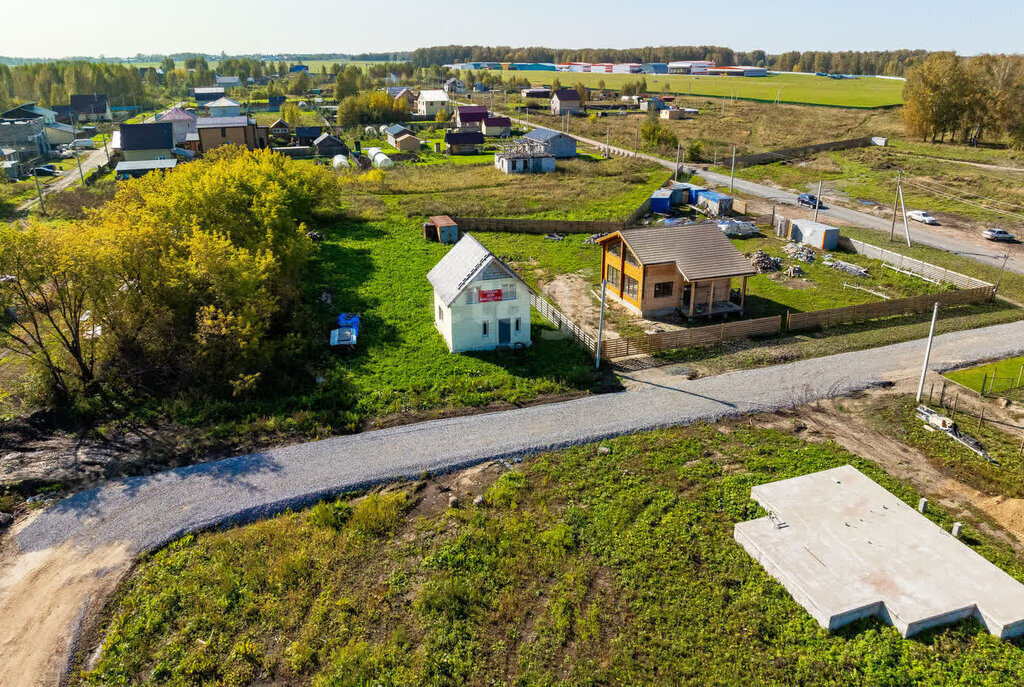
(158, 136)
(326, 138)
(543, 135)
(472, 113)
(700, 251)
(396, 91)
(176, 114)
(497, 121)
(66, 128)
(434, 96)
(460, 266)
(208, 89)
(407, 134)
(28, 110)
(396, 130)
(210, 122)
(464, 138)
(228, 79)
(566, 94)
(145, 164)
(308, 131)
(90, 103)
(280, 124)
(222, 102)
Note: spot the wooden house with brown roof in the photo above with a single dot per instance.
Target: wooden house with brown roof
(658, 270)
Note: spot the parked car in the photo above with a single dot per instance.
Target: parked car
(998, 235)
(45, 172)
(921, 216)
(808, 200)
(83, 143)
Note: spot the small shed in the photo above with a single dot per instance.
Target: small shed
(479, 302)
(671, 113)
(688, 192)
(662, 200)
(328, 146)
(224, 107)
(11, 169)
(814, 234)
(138, 168)
(407, 143)
(714, 203)
(463, 143)
(280, 129)
(441, 229)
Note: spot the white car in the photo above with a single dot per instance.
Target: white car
(921, 216)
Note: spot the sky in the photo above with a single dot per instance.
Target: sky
(123, 29)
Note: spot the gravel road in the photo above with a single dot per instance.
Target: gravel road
(146, 512)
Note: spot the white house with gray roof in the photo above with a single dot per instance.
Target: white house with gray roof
(479, 302)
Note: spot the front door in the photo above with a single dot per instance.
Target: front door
(504, 332)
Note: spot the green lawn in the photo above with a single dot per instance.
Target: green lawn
(867, 92)
(583, 569)
(376, 262)
(1001, 378)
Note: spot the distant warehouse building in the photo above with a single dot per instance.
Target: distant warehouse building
(737, 71)
(690, 67)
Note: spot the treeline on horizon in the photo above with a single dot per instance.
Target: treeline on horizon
(399, 56)
(885, 63)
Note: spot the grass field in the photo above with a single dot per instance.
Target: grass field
(583, 569)
(376, 263)
(1005, 477)
(1001, 378)
(867, 92)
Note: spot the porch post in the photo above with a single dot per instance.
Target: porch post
(711, 296)
(743, 295)
(693, 297)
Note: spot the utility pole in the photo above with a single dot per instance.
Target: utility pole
(892, 229)
(817, 202)
(39, 191)
(600, 324)
(78, 159)
(732, 174)
(927, 352)
(903, 207)
(1000, 277)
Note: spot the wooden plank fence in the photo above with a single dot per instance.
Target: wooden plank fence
(564, 324)
(797, 321)
(536, 226)
(920, 268)
(709, 335)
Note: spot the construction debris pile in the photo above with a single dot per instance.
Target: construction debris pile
(593, 238)
(554, 236)
(848, 267)
(798, 252)
(762, 262)
(794, 271)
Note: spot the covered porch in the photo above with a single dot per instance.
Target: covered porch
(709, 297)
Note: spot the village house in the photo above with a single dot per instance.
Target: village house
(523, 157)
(408, 143)
(305, 135)
(92, 107)
(431, 102)
(23, 140)
(328, 146)
(463, 142)
(497, 126)
(207, 94)
(218, 131)
(402, 93)
(183, 123)
(565, 101)
(479, 302)
(31, 111)
(280, 129)
(147, 141)
(554, 142)
(470, 117)
(454, 86)
(229, 81)
(394, 132)
(224, 107)
(656, 271)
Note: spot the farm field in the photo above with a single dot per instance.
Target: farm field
(867, 92)
(1001, 378)
(751, 127)
(583, 568)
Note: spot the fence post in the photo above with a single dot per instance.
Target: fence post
(981, 420)
(956, 399)
(1019, 375)
(942, 394)
(983, 382)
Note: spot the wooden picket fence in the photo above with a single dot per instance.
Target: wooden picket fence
(797, 321)
(709, 335)
(564, 324)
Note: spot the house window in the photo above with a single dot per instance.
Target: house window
(631, 259)
(663, 289)
(631, 287)
(615, 249)
(485, 329)
(613, 276)
(470, 296)
(440, 313)
(223, 132)
(508, 292)
(517, 325)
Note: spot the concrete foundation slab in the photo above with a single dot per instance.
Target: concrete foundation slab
(846, 548)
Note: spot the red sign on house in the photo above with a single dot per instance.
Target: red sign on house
(492, 296)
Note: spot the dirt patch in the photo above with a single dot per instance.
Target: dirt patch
(435, 494)
(570, 293)
(792, 282)
(49, 600)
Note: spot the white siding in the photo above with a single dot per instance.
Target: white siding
(462, 323)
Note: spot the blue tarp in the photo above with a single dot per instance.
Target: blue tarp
(349, 319)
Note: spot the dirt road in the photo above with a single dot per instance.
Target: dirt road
(90, 161)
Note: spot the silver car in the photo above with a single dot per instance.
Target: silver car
(998, 235)
(921, 216)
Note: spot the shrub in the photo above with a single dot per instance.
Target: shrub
(330, 515)
(379, 514)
